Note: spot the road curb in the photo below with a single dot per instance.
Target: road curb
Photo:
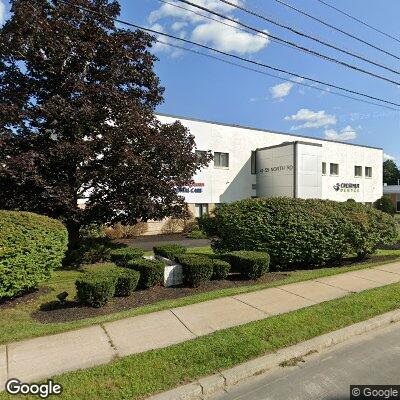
(213, 384)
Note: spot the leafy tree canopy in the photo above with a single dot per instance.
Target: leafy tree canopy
(77, 102)
(391, 173)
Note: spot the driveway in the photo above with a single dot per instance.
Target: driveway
(148, 242)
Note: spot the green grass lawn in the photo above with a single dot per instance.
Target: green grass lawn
(16, 323)
(138, 376)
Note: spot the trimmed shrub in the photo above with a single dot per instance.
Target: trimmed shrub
(251, 264)
(151, 271)
(96, 288)
(384, 204)
(31, 247)
(221, 269)
(299, 233)
(196, 234)
(127, 281)
(169, 250)
(123, 255)
(197, 269)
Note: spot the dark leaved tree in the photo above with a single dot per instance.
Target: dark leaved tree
(77, 102)
(391, 173)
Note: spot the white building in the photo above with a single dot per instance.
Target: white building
(251, 162)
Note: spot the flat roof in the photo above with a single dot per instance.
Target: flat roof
(263, 130)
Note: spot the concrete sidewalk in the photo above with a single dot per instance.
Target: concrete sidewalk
(34, 359)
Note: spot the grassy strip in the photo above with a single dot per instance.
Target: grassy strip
(138, 376)
(16, 323)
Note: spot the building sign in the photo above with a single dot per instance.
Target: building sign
(196, 187)
(347, 187)
(279, 168)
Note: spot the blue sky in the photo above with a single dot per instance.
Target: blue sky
(208, 89)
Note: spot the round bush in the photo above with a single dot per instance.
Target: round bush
(127, 281)
(169, 251)
(196, 269)
(151, 271)
(221, 269)
(300, 233)
(384, 204)
(123, 255)
(96, 288)
(31, 247)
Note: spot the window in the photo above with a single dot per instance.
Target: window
(221, 159)
(253, 163)
(368, 172)
(324, 168)
(201, 209)
(357, 171)
(201, 153)
(334, 169)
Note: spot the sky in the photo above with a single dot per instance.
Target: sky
(200, 87)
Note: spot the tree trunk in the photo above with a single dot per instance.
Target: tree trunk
(73, 228)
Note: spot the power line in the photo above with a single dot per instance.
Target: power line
(229, 54)
(273, 75)
(336, 28)
(315, 53)
(297, 32)
(359, 20)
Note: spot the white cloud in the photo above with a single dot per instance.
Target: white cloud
(347, 133)
(313, 119)
(212, 33)
(2, 12)
(177, 26)
(163, 47)
(387, 157)
(226, 38)
(170, 11)
(281, 90)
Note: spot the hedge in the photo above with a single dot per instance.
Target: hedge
(123, 255)
(169, 250)
(96, 288)
(297, 232)
(385, 204)
(151, 271)
(127, 281)
(31, 247)
(197, 269)
(251, 264)
(221, 269)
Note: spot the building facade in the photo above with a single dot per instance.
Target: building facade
(251, 162)
(393, 192)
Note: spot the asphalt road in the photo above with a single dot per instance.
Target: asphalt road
(147, 242)
(373, 358)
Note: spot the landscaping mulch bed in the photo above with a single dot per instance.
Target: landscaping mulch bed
(26, 298)
(71, 311)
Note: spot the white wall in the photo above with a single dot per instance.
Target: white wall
(235, 183)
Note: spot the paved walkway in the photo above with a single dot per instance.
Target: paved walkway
(39, 358)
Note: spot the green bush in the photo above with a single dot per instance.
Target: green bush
(123, 255)
(384, 204)
(127, 281)
(96, 288)
(151, 271)
(221, 269)
(169, 250)
(369, 228)
(196, 234)
(197, 269)
(299, 233)
(251, 264)
(31, 247)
